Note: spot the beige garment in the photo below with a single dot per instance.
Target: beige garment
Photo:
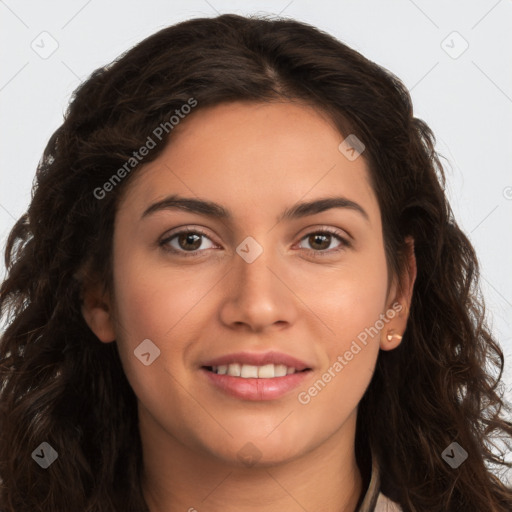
(384, 504)
(374, 500)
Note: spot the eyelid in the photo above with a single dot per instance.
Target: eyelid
(345, 242)
(180, 230)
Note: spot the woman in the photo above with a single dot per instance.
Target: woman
(320, 345)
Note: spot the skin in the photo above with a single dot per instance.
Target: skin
(255, 160)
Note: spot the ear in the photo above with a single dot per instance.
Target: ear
(399, 302)
(97, 312)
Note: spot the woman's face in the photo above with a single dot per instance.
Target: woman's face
(252, 282)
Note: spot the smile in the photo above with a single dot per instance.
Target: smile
(248, 371)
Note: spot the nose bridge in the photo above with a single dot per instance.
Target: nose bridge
(255, 258)
(258, 295)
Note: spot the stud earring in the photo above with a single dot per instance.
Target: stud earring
(391, 335)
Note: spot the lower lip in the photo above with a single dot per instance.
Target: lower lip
(256, 389)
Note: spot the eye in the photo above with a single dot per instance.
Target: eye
(184, 240)
(181, 241)
(321, 240)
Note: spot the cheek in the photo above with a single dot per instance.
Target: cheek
(146, 308)
(352, 298)
(351, 305)
(351, 310)
(151, 300)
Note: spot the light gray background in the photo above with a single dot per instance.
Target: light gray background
(466, 98)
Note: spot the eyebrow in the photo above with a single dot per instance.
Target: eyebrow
(217, 211)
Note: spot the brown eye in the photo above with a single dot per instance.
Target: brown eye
(320, 241)
(186, 243)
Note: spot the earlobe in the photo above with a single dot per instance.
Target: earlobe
(97, 314)
(390, 339)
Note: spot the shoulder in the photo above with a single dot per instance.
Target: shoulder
(384, 504)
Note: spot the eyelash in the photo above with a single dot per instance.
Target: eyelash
(343, 245)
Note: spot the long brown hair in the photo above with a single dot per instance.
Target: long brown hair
(60, 385)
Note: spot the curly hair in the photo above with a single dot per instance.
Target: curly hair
(59, 384)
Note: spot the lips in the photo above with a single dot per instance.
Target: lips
(241, 374)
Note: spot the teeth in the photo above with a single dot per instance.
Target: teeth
(234, 370)
(280, 370)
(248, 371)
(267, 371)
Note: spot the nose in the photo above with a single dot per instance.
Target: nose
(259, 296)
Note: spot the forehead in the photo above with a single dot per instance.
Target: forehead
(253, 156)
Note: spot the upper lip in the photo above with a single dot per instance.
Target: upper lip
(259, 359)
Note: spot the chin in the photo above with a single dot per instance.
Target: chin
(257, 453)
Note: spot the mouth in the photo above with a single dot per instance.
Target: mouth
(245, 385)
(256, 376)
